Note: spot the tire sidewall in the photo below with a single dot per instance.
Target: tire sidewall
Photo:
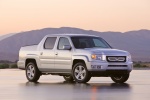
(36, 72)
(122, 80)
(87, 77)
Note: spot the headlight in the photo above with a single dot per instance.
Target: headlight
(129, 58)
(98, 57)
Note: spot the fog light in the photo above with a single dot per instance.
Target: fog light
(96, 66)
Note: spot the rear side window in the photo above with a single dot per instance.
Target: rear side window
(49, 43)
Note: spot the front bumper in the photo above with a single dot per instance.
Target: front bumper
(106, 66)
(21, 65)
(108, 73)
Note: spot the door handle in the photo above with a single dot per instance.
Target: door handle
(41, 53)
(56, 53)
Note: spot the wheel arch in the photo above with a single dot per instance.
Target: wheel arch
(79, 58)
(28, 60)
(33, 58)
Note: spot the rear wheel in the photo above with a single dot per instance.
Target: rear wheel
(32, 72)
(68, 78)
(80, 73)
(120, 78)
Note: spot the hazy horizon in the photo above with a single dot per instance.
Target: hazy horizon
(98, 15)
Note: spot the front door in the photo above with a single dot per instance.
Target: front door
(63, 58)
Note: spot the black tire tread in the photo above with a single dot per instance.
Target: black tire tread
(124, 79)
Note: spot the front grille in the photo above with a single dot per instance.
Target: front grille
(116, 58)
(117, 65)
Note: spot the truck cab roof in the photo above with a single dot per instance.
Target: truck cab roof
(69, 35)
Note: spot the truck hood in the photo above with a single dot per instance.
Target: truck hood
(107, 51)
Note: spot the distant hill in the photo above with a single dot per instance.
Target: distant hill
(136, 42)
(2, 37)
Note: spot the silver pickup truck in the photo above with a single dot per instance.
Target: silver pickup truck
(76, 58)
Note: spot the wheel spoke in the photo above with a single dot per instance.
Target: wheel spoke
(28, 71)
(32, 69)
(77, 71)
(83, 71)
(81, 76)
(77, 76)
(118, 77)
(29, 67)
(32, 74)
(80, 68)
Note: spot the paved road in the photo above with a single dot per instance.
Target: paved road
(14, 86)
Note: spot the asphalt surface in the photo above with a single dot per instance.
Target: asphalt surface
(14, 86)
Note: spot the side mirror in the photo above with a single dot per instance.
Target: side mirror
(66, 47)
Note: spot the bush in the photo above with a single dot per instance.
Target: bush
(138, 65)
(145, 66)
(2, 66)
(13, 66)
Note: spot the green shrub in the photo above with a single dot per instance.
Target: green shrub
(137, 65)
(13, 66)
(2, 66)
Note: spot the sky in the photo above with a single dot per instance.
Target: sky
(100, 15)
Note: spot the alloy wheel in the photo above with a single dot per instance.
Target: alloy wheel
(30, 71)
(80, 72)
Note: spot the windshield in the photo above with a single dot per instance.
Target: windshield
(81, 42)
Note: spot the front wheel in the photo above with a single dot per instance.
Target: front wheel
(80, 73)
(120, 78)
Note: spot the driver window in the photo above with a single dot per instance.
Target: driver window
(63, 41)
(98, 43)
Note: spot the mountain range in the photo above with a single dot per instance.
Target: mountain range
(136, 42)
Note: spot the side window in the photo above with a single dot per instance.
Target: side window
(98, 43)
(49, 43)
(62, 41)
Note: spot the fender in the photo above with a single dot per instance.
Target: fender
(82, 57)
(34, 56)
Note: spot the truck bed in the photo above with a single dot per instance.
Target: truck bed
(29, 48)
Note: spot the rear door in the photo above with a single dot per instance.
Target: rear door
(47, 55)
(63, 58)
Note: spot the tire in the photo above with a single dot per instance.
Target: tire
(80, 73)
(32, 72)
(68, 78)
(120, 78)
